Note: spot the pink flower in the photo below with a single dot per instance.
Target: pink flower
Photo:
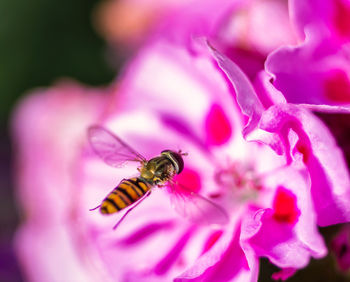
(317, 71)
(246, 30)
(271, 167)
(331, 15)
(170, 98)
(48, 128)
(154, 243)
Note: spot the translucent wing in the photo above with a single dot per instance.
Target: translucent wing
(114, 151)
(195, 207)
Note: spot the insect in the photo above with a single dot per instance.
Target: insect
(155, 172)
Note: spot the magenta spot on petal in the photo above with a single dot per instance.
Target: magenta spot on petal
(337, 86)
(342, 18)
(146, 232)
(213, 238)
(304, 150)
(216, 195)
(166, 263)
(285, 207)
(217, 125)
(189, 181)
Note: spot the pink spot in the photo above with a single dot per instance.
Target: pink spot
(342, 18)
(189, 181)
(146, 232)
(213, 238)
(285, 207)
(337, 86)
(304, 150)
(216, 195)
(217, 126)
(167, 262)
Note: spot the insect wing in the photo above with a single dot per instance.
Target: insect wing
(114, 151)
(197, 208)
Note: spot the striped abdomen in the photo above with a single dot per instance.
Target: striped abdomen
(127, 192)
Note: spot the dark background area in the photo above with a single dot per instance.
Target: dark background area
(40, 42)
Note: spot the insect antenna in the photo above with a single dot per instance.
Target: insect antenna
(130, 209)
(94, 208)
(182, 153)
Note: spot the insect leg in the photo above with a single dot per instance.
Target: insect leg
(130, 209)
(94, 208)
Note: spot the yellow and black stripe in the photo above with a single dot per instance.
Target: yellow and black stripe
(127, 192)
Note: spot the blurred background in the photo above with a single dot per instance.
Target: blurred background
(40, 42)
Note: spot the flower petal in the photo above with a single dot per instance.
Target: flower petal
(48, 128)
(315, 72)
(286, 244)
(245, 95)
(190, 94)
(323, 158)
(226, 261)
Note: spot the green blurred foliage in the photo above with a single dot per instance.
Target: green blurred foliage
(41, 41)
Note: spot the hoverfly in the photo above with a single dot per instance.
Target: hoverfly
(156, 172)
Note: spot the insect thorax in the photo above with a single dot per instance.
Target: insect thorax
(158, 170)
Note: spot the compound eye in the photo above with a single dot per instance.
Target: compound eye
(176, 158)
(179, 160)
